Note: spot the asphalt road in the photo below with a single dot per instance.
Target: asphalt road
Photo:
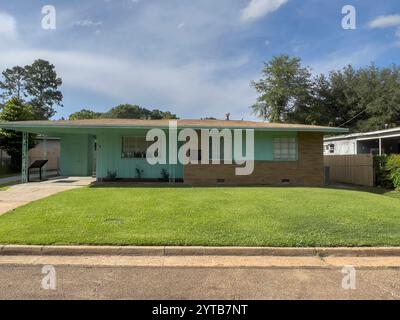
(133, 282)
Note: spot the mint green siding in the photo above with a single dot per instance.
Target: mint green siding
(76, 155)
(264, 144)
(109, 151)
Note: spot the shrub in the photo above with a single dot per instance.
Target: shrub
(164, 175)
(393, 169)
(387, 171)
(111, 175)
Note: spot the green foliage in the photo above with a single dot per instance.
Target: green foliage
(284, 85)
(14, 83)
(393, 167)
(128, 111)
(38, 83)
(164, 175)
(139, 173)
(123, 111)
(361, 99)
(387, 171)
(42, 86)
(85, 114)
(11, 141)
(111, 175)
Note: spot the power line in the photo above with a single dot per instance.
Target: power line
(353, 118)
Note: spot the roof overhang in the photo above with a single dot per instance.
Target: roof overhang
(54, 128)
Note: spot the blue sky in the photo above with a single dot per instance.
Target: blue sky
(195, 58)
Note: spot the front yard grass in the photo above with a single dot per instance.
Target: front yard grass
(253, 216)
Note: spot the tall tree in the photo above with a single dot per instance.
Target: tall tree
(14, 83)
(42, 86)
(11, 141)
(37, 83)
(284, 86)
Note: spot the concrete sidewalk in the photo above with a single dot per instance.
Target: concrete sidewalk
(204, 261)
(21, 194)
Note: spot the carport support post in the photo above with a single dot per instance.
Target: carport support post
(380, 146)
(44, 155)
(24, 176)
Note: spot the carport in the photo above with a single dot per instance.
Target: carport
(77, 156)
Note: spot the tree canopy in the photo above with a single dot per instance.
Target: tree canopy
(37, 83)
(361, 99)
(11, 141)
(285, 82)
(123, 111)
(85, 114)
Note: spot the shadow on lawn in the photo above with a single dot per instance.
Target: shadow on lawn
(374, 190)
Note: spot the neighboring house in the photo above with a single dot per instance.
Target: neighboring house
(375, 142)
(45, 148)
(109, 148)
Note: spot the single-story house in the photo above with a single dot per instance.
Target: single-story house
(116, 148)
(374, 142)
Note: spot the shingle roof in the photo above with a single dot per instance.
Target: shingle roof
(219, 124)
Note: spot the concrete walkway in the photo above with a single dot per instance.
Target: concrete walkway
(22, 194)
(33, 176)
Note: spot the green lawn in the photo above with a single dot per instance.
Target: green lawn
(256, 216)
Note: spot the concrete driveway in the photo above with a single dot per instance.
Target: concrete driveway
(21, 194)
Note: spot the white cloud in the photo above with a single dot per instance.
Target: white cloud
(88, 23)
(188, 88)
(162, 68)
(257, 9)
(8, 25)
(385, 21)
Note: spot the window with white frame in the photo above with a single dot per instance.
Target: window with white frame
(285, 149)
(134, 147)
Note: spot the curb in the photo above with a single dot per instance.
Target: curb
(195, 251)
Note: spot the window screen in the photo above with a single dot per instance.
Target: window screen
(285, 149)
(134, 147)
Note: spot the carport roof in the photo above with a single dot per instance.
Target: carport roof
(68, 125)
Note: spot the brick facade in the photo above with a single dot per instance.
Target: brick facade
(306, 171)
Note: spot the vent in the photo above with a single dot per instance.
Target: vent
(220, 180)
(285, 181)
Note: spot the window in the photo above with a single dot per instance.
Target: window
(331, 148)
(285, 149)
(134, 147)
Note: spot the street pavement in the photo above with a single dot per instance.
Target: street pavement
(142, 278)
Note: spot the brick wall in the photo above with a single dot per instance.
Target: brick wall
(307, 171)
